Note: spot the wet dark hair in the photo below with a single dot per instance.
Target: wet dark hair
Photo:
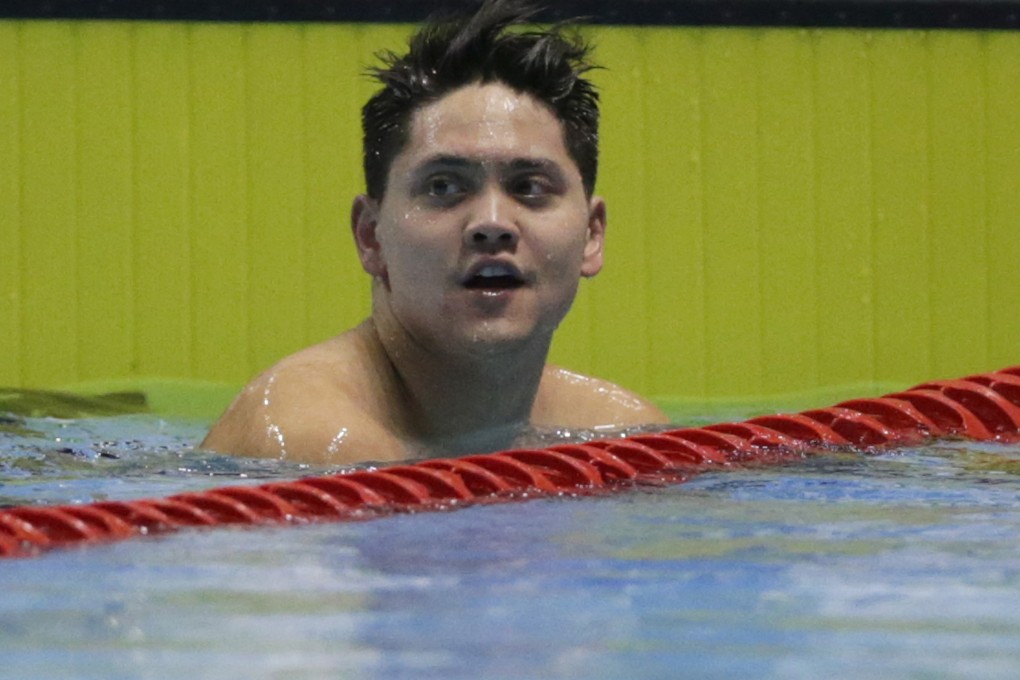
(447, 54)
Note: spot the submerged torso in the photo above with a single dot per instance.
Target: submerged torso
(342, 401)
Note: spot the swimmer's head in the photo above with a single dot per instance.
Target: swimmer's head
(448, 54)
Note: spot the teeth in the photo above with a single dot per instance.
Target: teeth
(494, 275)
(494, 270)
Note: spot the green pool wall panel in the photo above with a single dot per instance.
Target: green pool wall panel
(791, 210)
(10, 208)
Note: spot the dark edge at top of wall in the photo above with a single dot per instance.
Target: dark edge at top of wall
(959, 14)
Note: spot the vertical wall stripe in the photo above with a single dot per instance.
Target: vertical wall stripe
(732, 241)
(105, 175)
(957, 196)
(336, 290)
(49, 340)
(619, 320)
(703, 153)
(899, 123)
(11, 277)
(162, 153)
(276, 181)
(1002, 141)
(844, 196)
(674, 244)
(219, 226)
(787, 207)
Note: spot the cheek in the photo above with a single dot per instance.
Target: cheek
(411, 249)
(564, 249)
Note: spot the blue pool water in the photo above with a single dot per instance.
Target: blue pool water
(904, 565)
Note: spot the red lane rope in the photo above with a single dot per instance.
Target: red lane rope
(979, 407)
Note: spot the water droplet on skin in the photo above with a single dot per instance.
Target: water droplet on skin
(337, 441)
(273, 431)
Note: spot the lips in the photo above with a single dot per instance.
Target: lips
(493, 276)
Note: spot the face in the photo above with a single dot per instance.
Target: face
(485, 229)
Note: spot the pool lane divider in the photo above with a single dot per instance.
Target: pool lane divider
(979, 407)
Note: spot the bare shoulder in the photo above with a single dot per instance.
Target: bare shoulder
(569, 399)
(311, 407)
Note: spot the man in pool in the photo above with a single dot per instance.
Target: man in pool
(480, 155)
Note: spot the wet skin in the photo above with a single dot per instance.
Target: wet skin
(485, 181)
(476, 251)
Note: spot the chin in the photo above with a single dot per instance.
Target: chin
(535, 337)
(494, 338)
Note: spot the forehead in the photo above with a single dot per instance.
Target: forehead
(486, 121)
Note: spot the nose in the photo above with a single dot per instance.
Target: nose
(492, 228)
(491, 236)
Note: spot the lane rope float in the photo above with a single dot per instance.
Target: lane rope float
(982, 407)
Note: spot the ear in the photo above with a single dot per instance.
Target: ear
(592, 262)
(364, 221)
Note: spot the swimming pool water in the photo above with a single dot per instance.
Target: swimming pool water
(904, 565)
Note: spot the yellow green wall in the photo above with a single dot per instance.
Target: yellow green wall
(789, 209)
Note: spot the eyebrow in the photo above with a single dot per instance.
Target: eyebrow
(541, 164)
(447, 160)
(520, 164)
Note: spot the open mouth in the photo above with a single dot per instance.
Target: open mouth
(494, 277)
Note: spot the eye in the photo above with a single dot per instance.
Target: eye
(531, 188)
(443, 186)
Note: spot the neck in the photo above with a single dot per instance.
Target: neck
(461, 402)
